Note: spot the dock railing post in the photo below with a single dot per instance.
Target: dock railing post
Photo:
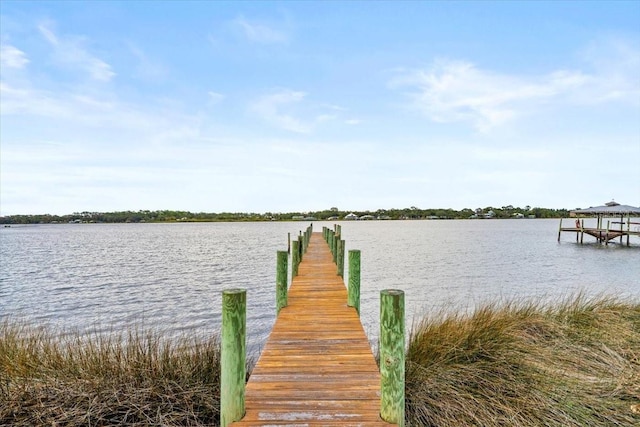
(392, 356)
(300, 248)
(305, 240)
(353, 299)
(282, 259)
(332, 241)
(233, 355)
(295, 258)
(340, 258)
(334, 247)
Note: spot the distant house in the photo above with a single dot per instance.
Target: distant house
(367, 217)
(490, 214)
(351, 216)
(518, 215)
(298, 218)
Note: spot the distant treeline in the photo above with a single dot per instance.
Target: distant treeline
(329, 214)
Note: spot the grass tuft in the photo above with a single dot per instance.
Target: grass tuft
(573, 363)
(133, 380)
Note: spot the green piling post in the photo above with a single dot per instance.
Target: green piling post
(340, 258)
(295, 258)
(330, 241)
(233, 355)
(392, 356)
(334, 247)
(300, 247)
(282, 260)
(353, 299)
(304, 241)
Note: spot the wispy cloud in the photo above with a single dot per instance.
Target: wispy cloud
(147, 68)
(454, 91)
(12, 57)
(71, 51)
(275, 109)
(258, 32)
(290, 110)
(215, 97)
(460, 91)
(616, 67)
(81, 112)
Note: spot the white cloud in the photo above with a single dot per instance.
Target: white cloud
(459, 91)
(12, 57)
(452, 91)
(270, 108)
(289, 110)
(260, 33)
(70, 51)
(616, 67)
(215, 97)
(79, 111)
(147, 68)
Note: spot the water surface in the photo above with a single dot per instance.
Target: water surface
(169, 277)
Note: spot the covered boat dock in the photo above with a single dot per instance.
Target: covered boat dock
(622, 226)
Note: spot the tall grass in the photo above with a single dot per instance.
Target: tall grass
(573, 363)
(137, 379)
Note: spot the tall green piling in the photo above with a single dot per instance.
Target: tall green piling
(334, 246)
(295, 258)
(340, 257)
(300, 247)
(353, 299)
(282, 259)
(233, 355)
(392, 356)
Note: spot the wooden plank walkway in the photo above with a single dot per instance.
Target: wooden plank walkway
(317, 367)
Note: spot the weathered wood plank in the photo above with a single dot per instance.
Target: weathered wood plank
(317, 367)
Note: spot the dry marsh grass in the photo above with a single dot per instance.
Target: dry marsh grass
(573, 363)
(136, 380)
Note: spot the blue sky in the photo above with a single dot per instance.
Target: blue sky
(301, 106)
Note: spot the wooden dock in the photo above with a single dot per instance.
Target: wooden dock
(602, 234)
(317, 367)
(621, 226)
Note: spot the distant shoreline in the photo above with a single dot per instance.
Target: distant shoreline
(333, 214)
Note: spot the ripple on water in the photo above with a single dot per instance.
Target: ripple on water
(104, 278)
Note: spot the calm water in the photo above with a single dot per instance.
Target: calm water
(99, 277)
